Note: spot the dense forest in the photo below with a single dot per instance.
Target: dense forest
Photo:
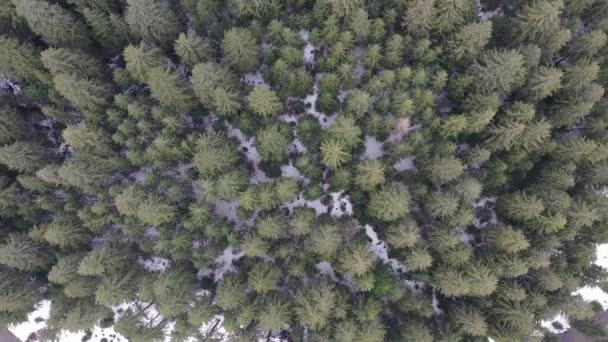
(303, 170)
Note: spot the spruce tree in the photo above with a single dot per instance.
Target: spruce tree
(153, 21)
(241, 49)
(56, 25)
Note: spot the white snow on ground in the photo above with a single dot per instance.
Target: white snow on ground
(373, 148)
(325, 268)
(288, 117)
(227, 209)
(223, 264)
(342, 94)
(311, 106)
(288, 170)
(379, 249)
(435, 303)
(309, 54)
(297, 147)
(255, 79)
(37, 321)
(251, 152)
(154, 264)
(340, 204)
(406, 163)
(359, 67)
(485, 205)
(590, 293)
(487, 15)
(140, 176)
(562, 319)
(402, 128)
(316, 204)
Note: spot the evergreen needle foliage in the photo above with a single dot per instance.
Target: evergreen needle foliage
(319, 170)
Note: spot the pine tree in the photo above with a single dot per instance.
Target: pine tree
(18, 294)
(418, 259)
(344, 8)
(275, 313)
(259, 9)
(263, 277)
(369, 174)
(192, 49)
(230, 293)
(155, 211)
(325, 240)
(254, 246)
(359, 24)
(404, 234)
(56, 25)
(110, 31)
(470, 320)
(358, 259)
(588, 45)
(19, 251)
(170, 91)
(302, 221)
(12, 125)
(334, 153)
(537, 21)
(107, 259)
(520, 206)
(470, 40)
(272, 142)
(213, 154)
(315, 305)
(394, 51)
(452, 282)
(442, 204)
(153, 21)
(265, 102)
(66, 61)
(390, 202)
(88, 95)
(507, 240)
(215, 87)
(498, 71)
(358, 103)
(419, 17)
(23, 156)
(345, 129)
(66, 233)
(241, 49)
(174, 292)
(140, 59)
(21, 63)
(271, 227)
(581, 214)
(452, 14)
(117, 288)
(443, 170)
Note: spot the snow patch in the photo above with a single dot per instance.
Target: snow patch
(310, 101)
(247, 145)
(154, 264)
(380, 250)
(222, 264)
(288, 170)
(373, 148)
(255, 79)
(297, 147)
(485, 213)
(37, 321)
(139, 177)
(404, 164)
(561, 319)
(309, 49)
(340, 204)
